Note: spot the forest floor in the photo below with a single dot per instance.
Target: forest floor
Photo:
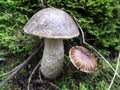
(69, 79)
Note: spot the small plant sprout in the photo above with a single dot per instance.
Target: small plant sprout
(54, 25)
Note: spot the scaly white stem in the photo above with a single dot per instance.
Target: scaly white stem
(53, 57)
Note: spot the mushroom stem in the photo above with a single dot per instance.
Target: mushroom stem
(53, 57)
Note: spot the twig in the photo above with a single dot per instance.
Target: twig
(6, 73)
(45, 82)
(118, 61)
(14, 71)
(40, 75)
(29, 80)
(53, 85)
(83, 39)
(10, 71)
(42, 2)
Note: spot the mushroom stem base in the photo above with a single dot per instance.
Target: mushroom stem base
(53, 57)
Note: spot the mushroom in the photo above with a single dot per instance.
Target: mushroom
(54, 25)
(83, 59)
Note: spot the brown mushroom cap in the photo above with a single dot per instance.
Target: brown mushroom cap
(52, 23)
(82, 59)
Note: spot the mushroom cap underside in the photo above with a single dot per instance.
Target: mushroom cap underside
(83, 59)
(52, 23)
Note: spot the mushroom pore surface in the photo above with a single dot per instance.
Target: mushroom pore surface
(53, 57)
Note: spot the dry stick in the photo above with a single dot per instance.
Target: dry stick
(29, 80)
(118, 61)
(40, 78)
(8, 73)
(53, 85)
(18, 68)
(83, 39)
(42, 2)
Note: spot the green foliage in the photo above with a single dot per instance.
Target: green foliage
(99, 20)
(13, 17)
(102, 85)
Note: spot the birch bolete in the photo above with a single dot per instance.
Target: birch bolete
(53, 25)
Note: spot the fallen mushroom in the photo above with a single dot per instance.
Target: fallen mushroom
(54, 25)
(83, 59)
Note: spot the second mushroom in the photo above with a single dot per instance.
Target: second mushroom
(83, 59)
